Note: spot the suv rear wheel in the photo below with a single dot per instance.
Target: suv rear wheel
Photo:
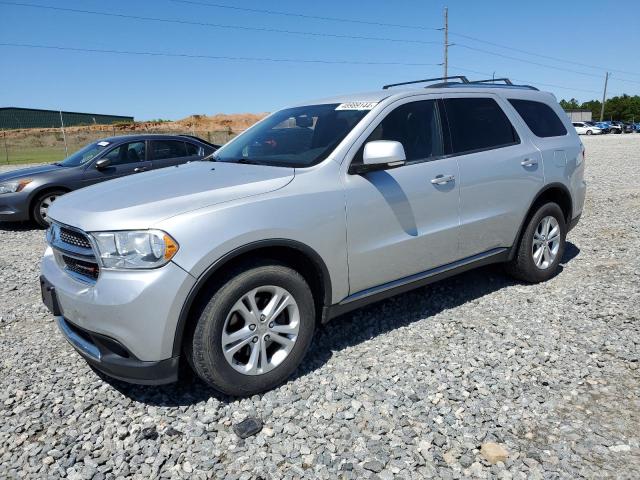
(254, 331)
(541, 246)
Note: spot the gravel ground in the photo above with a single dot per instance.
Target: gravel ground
(408, 388)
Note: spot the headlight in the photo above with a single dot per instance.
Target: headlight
(135, 249)
(15, 186)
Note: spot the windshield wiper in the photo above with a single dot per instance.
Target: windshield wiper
(210, 158)
(57, 164)
(246, 161)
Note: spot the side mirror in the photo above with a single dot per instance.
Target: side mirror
(381, 155)
(103, 163)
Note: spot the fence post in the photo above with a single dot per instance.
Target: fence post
(6, 149)
(64, 136)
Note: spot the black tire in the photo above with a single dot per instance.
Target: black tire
(523, 266)
(36, 214)
(203, 346)
(589, 132)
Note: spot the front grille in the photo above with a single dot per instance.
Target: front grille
(74, 252)
(81, 267)
(74, 238)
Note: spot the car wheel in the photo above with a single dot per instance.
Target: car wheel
(589, 132)
(254, 330)
(40, 209)
(541, 246)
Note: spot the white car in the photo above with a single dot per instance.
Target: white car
(586, 129)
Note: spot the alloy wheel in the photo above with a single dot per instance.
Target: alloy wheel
(546, 242)
(260, 330)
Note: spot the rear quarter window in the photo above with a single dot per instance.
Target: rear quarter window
(540, 118)
(478, 124)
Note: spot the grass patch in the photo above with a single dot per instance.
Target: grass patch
(32, 155)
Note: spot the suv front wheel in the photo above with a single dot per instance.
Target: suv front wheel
(254, 331)
(541, 246)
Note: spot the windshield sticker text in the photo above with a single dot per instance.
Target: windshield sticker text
(356, 106)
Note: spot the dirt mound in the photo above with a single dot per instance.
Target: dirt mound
(222, 121)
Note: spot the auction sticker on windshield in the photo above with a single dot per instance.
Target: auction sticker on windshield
(103, 144)
(356, 106)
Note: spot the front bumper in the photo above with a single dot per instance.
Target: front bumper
(135, 310)
(14, 207)
(113, 359)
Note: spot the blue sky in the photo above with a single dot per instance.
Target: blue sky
(587, 32)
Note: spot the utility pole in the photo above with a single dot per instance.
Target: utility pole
(446, 41)
(604, 96)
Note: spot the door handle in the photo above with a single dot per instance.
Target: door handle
(442, 179)
(139, 169)
(529, 162)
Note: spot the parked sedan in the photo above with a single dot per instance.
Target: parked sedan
(604, 126)
(584, 129)
(27, 194)
(595, 124)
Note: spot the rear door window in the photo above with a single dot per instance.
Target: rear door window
(539, 117)
(477, 124)
(163, 149)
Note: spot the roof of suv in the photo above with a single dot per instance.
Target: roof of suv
(380, 95)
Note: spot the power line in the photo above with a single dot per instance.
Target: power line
(488, 52)
(262, 59)
(301, 15)
(314, 34)
(528, 52)
(219, 25)
(527, 81)
(538, 63)
(413, 27)
(216, 57)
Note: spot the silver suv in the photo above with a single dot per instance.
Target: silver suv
(230, 264)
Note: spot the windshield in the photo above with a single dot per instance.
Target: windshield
(294, 137)
(84, 155)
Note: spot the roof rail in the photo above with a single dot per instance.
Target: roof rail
(462, 79)
(494, 80)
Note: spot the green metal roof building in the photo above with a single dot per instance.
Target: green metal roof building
(13, 117)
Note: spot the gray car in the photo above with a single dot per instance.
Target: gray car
(27, 194)
(318, 209)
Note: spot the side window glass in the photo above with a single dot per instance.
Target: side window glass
(540, 118)
(127, 153)
(478, 124)
(162, 149)
(416, 126)
(192, 149)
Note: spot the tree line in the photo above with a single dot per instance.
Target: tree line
(625, 107)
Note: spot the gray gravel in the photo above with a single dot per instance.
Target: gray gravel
(408, 388)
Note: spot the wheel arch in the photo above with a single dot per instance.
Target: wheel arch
(553, 192)
(296, 254)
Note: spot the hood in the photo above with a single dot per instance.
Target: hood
(28, 172)
(142, 200)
